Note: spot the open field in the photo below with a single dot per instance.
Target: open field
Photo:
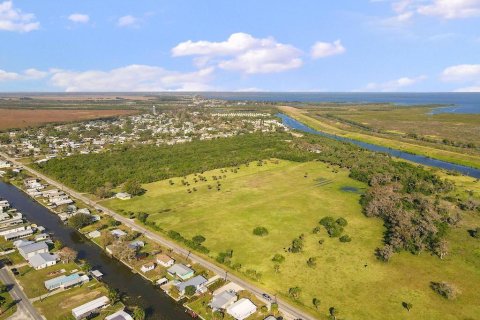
(279, 197)
(19, 118)
(454, 155)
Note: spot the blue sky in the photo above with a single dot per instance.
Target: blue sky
(248, 45)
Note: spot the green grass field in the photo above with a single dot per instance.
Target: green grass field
(279, 197)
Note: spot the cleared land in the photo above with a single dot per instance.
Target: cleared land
(279, 197)
(463, 156)
(19, 118)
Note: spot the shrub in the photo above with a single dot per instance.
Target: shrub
(345, 238)
(260, 231)
(327, 221)
(342, 222)
(385, 253)
(278, 258)
(190, 290)
(199, 239)
(444, 289)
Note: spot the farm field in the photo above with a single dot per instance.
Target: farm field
(288, 199)
(23, 118)
(463, 156)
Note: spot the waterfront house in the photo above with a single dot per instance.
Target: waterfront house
(117, 233)
(148, 267)
(20, 243)
(30, 250)
(123, 196)
(270, 318)
(181, 271)
(223, 300)
(136, 244)
(96, 274)
(242, 309)
(42, 236)
(119, 315)
(89, 308)
(198, 282)
(18, 234)
(7, 220)
(13, 229)
(94, 234)
(42, 260)
(65, 282)
(164, 260)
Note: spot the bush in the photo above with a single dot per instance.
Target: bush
(199, 239)
(327, 221)
(260, 231)
(345, 238)
(444, 289)
(278, 258)
(385, 253)
(190, 290)
(342, 222)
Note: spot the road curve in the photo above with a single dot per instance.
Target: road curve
(287, 309)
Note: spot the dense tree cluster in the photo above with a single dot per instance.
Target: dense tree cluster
(194, 243)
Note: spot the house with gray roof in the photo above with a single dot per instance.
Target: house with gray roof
(223, 300)
(30, 250)
(198, 282)
(42, 260)
(181, 271)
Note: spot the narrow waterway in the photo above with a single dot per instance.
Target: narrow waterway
(468, 171)
(140, 292)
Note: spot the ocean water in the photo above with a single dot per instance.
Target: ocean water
(451, 102)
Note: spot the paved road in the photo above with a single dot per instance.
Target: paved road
(288, 310)
(25, 310)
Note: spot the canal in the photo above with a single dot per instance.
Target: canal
(157, 304)
(468, 171)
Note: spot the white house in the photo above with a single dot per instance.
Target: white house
(123, 196)
(42, 260)
(242, 309)
(148, 267)
(90, 308)
(164, 260)
(30, 250)
(118, 233)
(198, 282)
(223, 300)
(119, 315)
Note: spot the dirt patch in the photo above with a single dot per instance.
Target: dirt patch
(17, 118)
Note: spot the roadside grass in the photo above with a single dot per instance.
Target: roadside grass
(32, 281)
(279, 197)
(59, 306)
(9, 307)
(412, 147)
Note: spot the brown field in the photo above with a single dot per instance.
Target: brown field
(17, 118)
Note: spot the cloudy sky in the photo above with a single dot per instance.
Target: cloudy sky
(248, 45)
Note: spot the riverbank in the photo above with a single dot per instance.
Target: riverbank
(444, 155)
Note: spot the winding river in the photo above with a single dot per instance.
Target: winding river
(468, 171)
(157, 304)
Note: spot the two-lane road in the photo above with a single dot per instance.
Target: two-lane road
(288, 310)
(25, 310)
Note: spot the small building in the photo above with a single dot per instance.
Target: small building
(42, 236)
(90, 308)
(148, 267)
(94, 234)
(164, 260)
(18, 235)
(118, 233)
(242, 309)
(42, 260)
(13, 229)
(65, 282)
(96, 274)
(30, 250)
(198, 282)
(162, 281)
(181, 271)
(223, 300)
(270, 318)
(123, 196)
(119, 315)
(136, 244)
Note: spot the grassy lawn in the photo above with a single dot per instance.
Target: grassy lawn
(9, 307)
(33, 280)
(415, 147)
(278, 197)
(60, 305)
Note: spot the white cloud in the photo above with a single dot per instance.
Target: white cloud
(127, 21)
(327, 49)
(79, 18)
(393, 85)
(29, 74)
(469, 89)
(244, 53)
(12, 19)
(132, 78)
(451, 9)
(462, 73)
